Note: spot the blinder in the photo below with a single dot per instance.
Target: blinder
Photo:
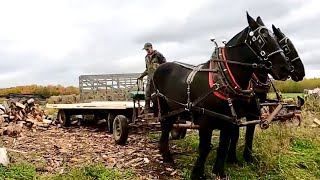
(257, 38)
(284, 44)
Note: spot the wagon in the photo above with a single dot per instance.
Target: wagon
(122, 115)
(119, 115)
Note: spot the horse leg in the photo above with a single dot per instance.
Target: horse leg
(247, 153)
(232, 153)
(204, 149)
(222, 151)
(166, 126)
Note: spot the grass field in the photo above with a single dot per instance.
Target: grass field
(23, 171)
(280, 153)
(285, 95)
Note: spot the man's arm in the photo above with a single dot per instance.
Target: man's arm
(161, 58)
(145, 72)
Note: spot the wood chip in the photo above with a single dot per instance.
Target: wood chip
(146, 160)
(173, 173)
(169, 169)
(317, 121)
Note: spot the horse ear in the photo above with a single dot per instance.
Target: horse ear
(276, 32)
(259, 21)
(252, 23)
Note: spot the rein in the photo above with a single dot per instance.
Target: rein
(260, 86)
(225, 86)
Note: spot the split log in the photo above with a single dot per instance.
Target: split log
(20, 105)
(317, 121)
(1, 121)
(4, 160)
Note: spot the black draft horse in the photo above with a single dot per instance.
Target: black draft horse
(216, 86)
(261, 85)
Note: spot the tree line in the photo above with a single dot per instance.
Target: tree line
(47, 91)
(290, 86)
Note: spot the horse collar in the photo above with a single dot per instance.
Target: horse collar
(223, 81)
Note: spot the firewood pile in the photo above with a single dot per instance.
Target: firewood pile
(14, 115)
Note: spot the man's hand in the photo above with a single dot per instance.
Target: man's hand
(139, 79)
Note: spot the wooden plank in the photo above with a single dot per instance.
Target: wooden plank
(95, 105)
(80, 106)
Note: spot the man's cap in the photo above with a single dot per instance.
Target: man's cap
(146, 45)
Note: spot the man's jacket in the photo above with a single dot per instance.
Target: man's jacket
(152, 62)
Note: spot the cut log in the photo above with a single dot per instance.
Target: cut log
(2, 132)
(317, 121)
(4, 160)
(1, 121)
(20, 105)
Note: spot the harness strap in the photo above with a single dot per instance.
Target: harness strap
(275, 90)
(229, 71)
(226, 79)
(193, 73)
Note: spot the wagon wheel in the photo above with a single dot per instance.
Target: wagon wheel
(64, 118)
(120, 129)
(179, 133)
(110, 119)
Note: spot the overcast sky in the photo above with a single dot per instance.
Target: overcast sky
(54, 41)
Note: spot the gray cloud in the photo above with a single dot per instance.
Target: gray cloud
(112, 43)
(214, 18)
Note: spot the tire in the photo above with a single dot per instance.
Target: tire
(110, 119)
(120, 129)
(64, 118)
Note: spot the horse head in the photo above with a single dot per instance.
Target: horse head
(297, 72)
(263, 44)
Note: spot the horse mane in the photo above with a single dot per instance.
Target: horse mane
(238, 38)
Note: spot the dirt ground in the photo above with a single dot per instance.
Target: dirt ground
(55, 149)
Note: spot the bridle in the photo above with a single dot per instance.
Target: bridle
(284, 44)
(256, 41)
(256, 37)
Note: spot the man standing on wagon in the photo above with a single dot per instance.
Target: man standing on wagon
(153, 59)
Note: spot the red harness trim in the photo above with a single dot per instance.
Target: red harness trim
(211, 81)
(211, 84)
(254, 77)
(230, 73)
